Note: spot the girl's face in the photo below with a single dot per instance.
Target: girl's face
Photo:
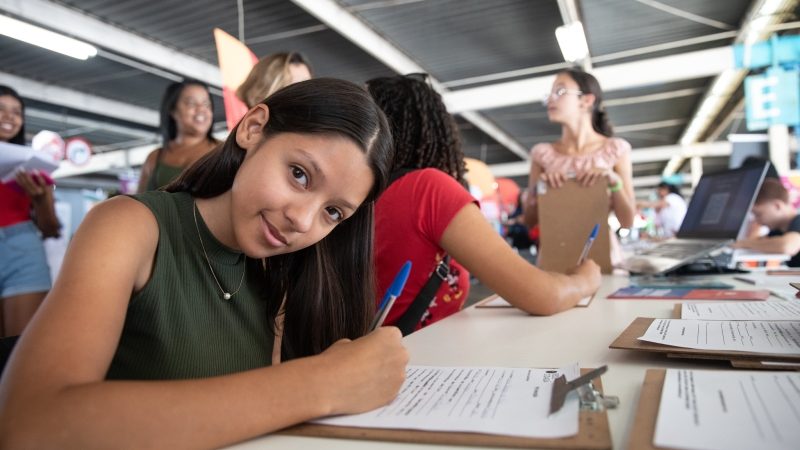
(293, 189)
(10, 117)
(192, 112)
(565, 102)
(298, 72)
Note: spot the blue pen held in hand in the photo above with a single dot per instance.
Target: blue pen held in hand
(391, 295)
(589, 242)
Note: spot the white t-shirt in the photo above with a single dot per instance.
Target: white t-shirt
(669, 218)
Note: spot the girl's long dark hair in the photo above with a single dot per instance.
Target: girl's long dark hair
(588, 84)
(425, 134)
(168, 128)
(18, 138)
(329, 287)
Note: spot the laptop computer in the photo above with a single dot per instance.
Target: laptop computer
(714, 218)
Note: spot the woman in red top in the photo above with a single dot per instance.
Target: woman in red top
(428, 213)
(26, 209)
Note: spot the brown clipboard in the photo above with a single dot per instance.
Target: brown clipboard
(593, 434)
(644, 422)
(566, 217)
(628, 340)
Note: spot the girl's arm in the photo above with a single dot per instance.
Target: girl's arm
(54, 394)
(530, 210)
(624, 200)
(147, 170)
(42, 202)
(472, 242)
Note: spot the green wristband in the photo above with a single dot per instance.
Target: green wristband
(616, 187)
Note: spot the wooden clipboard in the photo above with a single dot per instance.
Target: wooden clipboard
(566, 217)
(628, 340)
(593, 434)
(644, 423)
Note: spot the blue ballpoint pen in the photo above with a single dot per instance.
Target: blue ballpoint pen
(589, 243)
(391, 295)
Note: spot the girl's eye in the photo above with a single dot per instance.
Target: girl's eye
(335, 214)
(300, 176)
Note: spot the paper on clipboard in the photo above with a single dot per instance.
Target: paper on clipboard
(492, 400)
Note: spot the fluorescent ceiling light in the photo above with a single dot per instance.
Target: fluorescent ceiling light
(46, 39)
(572, 41)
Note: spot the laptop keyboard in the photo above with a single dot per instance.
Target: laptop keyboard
(680, 249)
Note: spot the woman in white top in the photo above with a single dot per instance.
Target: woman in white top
(670, 209)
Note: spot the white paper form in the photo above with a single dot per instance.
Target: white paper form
(710, 409)
(492, 400)
(742, 311)
(755, 336)
(18, 157)
(500, 302)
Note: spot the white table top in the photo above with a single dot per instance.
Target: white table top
(508, 337)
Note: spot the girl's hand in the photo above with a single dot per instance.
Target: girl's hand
(366, 373)
(589, 272)
(33, 184)
(591, 176)
(554, 180)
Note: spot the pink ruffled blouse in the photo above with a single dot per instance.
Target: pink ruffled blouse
(552, 161)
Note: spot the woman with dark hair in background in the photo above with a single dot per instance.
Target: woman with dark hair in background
(586, 150)
(260, 251)
(186, 116)
(428, 213)
(26, 210)
(271, 73)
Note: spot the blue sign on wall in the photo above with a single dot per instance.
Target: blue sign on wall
(772, 98)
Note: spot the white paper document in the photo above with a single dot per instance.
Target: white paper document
(705, 409)
(742, 311)
(755, 336)
(500, 302)
(491, 400)
(14, 158)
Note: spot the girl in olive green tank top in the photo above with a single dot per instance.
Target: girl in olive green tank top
(160, 330)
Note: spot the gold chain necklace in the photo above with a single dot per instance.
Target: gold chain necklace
(225, 295)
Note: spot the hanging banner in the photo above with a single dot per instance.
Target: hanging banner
(235, 62)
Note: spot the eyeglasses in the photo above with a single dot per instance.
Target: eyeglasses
(555, 95)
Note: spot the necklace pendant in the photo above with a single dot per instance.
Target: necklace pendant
(226, 296)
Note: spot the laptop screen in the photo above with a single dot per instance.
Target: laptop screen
(720, 203)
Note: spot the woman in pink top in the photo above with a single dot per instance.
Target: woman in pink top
(586, 150)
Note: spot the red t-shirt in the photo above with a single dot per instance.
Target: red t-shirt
(410, 218)
(15, 206)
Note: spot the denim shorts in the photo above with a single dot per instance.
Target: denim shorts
(23, 264)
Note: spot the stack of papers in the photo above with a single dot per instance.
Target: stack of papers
(15, 158)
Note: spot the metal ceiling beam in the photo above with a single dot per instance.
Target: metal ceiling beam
(357, 31)
(94, 31)
(118, 159)
(74, 121)
(666, 69)
(55, 95)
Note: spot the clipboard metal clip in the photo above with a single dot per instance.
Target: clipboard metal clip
(590, 398)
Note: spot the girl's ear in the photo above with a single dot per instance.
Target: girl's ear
(250, 129)
(588, 101)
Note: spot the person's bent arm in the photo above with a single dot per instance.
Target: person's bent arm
(471, 241)
(54, 393)
(787, 244)
(624, 200)
(147, 171)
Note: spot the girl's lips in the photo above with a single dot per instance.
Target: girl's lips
(272, 235)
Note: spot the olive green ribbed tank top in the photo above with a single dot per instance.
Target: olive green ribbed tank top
(178, 326)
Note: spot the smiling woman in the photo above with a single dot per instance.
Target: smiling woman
(270, 232)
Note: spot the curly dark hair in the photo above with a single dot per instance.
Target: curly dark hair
(425, 134)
